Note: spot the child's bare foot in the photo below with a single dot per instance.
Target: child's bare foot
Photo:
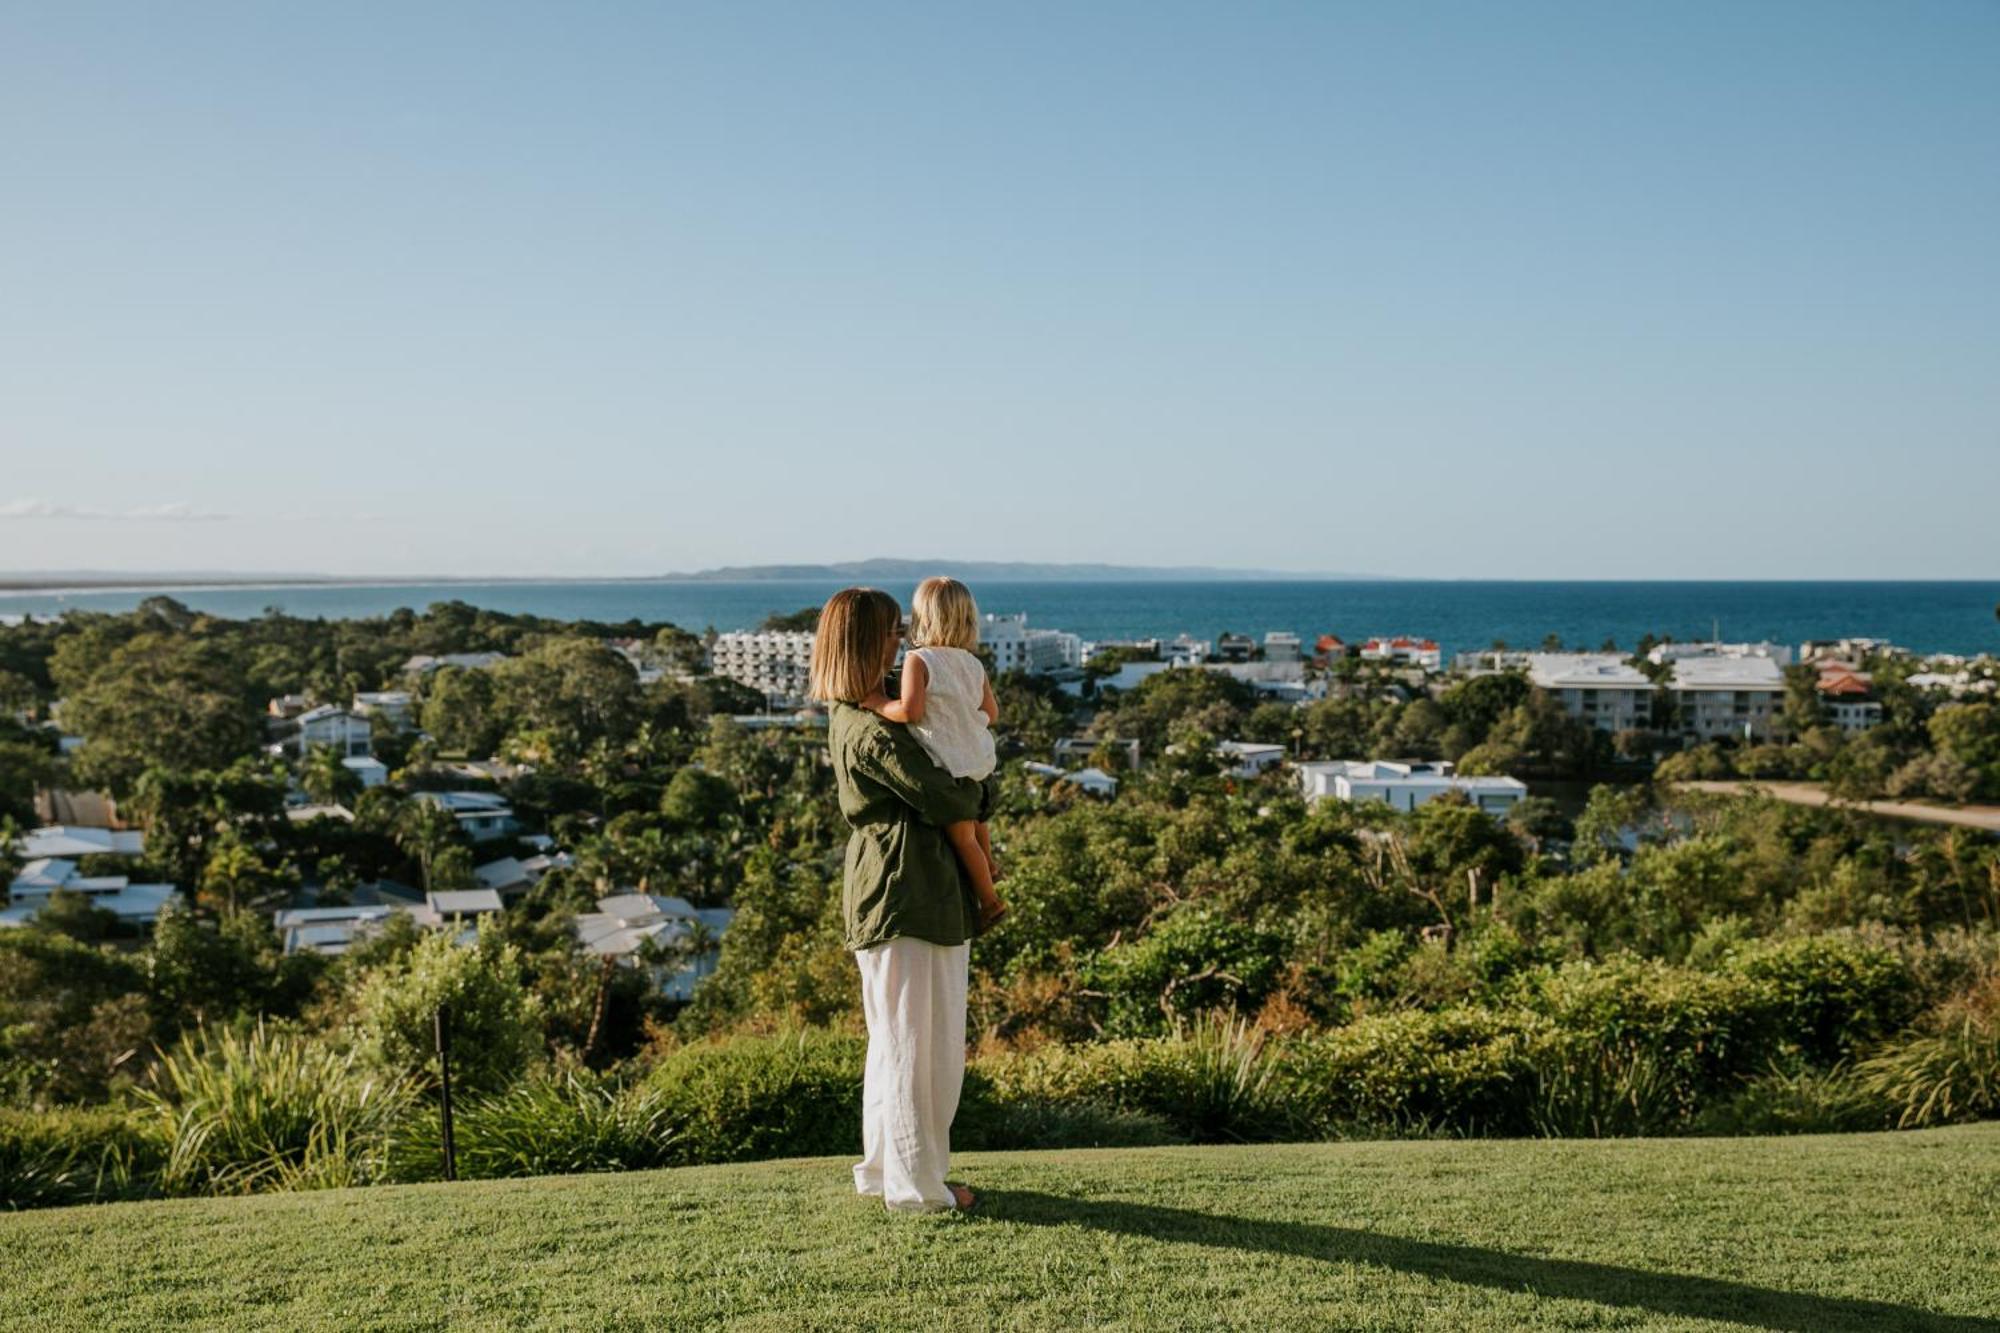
(990, 913)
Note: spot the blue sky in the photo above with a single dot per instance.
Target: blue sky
(1457, 290)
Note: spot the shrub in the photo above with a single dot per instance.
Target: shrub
(1949, 1070)
(495, 1021)
(1194, 961)
(269, 1110)
(794, 1094)
(1834, 995)
(1582, 1087)
(1214, 1081)
(1703, 1031)
(1409, 1070)
(74, 1155)
(549, 1124)
(1805, 1101)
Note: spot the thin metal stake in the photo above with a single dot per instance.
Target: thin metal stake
(444, 1089)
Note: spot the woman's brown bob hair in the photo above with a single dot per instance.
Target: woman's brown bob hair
(858, 630)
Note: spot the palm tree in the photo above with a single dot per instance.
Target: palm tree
(424, 830)
(326, 776)
(650, 853)
(235, 875)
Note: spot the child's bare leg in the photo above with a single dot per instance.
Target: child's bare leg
(986, 846)
(964, 836)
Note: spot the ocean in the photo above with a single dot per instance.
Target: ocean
(1930, 617)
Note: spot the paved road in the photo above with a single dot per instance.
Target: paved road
(1986, 817)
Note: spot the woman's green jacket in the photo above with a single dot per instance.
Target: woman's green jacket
(902, 876)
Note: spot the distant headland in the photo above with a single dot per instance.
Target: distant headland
(880, 570)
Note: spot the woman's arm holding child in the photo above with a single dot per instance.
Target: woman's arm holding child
(916, 689)
(990, 705)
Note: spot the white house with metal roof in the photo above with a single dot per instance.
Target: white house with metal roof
(687, 938)
(1405, 786)
(133, 904)
(72, 840)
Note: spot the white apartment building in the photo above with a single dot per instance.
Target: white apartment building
(1281, 646)
(1727, 698)
(1404, 786)
(1853, 715)
(1015, 647)
(774, 661)
(1602, 689)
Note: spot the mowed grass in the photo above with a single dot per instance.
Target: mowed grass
(1878, 1232)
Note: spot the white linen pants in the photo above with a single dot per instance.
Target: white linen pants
(913, 995)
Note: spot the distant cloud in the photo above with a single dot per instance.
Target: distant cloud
(170, 513)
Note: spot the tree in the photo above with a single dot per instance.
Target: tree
(1970, 734)
(326, 777)
(1609, 816)
(425, 830)
(805, 619)
(204, 971)
(25, 769)
(235, 877)
(185, 812)
(459, 710)
(568, 694)
(495, 1021)
(161, 700)
(697, 799)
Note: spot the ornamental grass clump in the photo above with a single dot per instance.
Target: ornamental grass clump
(269, 1109)
(74, 1154)
(560, 1123)
(1949, 1070)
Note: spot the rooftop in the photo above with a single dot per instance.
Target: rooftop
(1728, 673)
(1584, 671)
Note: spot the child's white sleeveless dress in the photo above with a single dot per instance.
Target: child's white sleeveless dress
(954, 730)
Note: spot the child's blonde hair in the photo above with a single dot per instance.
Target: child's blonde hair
(943, 615)
(852, 644)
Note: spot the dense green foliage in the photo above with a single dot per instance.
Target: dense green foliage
(1205, 958)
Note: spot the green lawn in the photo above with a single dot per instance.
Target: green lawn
(1884, 1231)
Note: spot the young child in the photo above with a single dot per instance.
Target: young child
(948, 704)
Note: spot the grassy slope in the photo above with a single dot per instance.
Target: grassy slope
(1847, 1232)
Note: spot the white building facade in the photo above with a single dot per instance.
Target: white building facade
(776, 662)
(1727, 698)
(1405, 786)
(1015, 647)
(1602, 689)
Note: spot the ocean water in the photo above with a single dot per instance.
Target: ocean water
(1956, 617)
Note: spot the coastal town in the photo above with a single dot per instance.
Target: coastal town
(1662, 700)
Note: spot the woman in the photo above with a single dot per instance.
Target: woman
(909, 909)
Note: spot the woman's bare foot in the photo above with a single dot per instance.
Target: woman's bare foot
(963, 1199)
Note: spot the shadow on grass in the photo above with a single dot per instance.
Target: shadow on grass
(1568, 1279)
